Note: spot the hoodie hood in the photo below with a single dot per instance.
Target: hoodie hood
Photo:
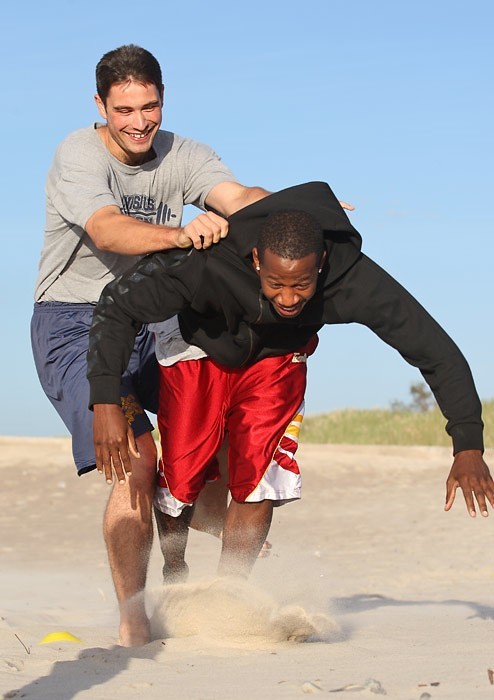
(343, 242)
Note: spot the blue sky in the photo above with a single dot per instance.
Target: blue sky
(391, 103)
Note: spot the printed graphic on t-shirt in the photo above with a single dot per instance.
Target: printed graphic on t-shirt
(144, 208)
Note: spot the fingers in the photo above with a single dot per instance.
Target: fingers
(134, 450)
(480, 492)
(120, 460)
(450, 495)
(115, 460)
(345, 205)
(488, 489)
(206, 229)
(467, 495)
(479, 495)
(484, 493)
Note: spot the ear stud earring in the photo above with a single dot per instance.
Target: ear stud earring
(258, 268)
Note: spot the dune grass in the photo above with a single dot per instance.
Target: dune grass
(386, 427)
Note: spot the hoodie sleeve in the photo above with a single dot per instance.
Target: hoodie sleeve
(149, 292)
(368, 295)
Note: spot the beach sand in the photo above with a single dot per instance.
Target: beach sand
(392, 595)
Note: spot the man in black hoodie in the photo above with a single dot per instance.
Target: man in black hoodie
(241, 302)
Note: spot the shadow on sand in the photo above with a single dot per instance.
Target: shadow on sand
(92, 668)
(362, 602)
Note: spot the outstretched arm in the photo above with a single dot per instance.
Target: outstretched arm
(228, 197)
(371, 297)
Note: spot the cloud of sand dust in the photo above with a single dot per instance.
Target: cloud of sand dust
(233, 610)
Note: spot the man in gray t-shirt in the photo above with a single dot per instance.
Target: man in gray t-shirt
(115, 192)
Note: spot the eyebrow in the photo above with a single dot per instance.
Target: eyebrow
(155, 103)
(274, 278)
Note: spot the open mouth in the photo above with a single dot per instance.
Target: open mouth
(139, 136)
(288, 310)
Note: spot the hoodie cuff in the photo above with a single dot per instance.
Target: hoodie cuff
(104, 390)
(467, 436)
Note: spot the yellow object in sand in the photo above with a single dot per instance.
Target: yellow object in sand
(59, 637)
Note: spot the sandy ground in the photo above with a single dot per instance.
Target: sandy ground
(394, 593)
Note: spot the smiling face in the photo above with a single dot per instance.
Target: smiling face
(288, 284)
(133, 113)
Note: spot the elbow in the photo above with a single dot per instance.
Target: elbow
(102, 228)
(102, 243)
(99, 237)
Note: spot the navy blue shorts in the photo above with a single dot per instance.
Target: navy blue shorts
(59, 338)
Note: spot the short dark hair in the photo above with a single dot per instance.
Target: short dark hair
(291, 235)
(129, 61)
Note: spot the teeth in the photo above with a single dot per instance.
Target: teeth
(138, 137)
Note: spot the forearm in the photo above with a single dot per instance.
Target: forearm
(149, 292)
(110, 230)
(111, 340)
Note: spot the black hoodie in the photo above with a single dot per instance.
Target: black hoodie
(221, 309)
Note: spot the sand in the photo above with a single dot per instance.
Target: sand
(371, 590)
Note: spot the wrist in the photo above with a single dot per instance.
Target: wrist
(175, 238)
(104, 407)
(182, 240)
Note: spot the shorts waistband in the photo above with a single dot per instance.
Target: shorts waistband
(52, 306)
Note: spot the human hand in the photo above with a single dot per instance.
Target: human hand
(470, 473)
(114, 442)
(203, 231)
(345, 205)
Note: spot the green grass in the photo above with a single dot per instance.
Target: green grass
(386, 427)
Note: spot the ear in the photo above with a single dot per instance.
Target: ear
(162, 95)
(255, 260)
(100, 106)
(322, 261)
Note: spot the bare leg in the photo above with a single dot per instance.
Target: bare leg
(210, 509)
(211, 506)
(173, 534)
(128, 532)
(246, 528)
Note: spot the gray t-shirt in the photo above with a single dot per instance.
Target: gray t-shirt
(85, 177)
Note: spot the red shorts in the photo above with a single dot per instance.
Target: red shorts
(261, 409)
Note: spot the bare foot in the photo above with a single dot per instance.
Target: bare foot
(134, 623)
(135, 636)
